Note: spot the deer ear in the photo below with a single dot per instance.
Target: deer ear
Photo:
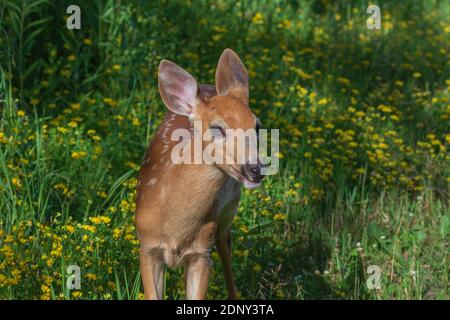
(231, 75)
(178, 89)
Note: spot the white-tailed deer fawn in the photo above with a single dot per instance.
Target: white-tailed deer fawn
(183, 208)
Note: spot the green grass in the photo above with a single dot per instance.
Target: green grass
(364, 128)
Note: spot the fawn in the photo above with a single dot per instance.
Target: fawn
(183, 208)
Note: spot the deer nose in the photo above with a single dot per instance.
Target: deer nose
(253, 172)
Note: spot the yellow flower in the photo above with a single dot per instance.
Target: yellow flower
(244, 229)
(256, 267)
(75, 106)
(116, 233)
(110, 102)
(384, 108)
(56, 249)
(97, 150)
(129, 237)
(3, 138)
(217, 37)
(78, 154)
(124, 206)
(112, 209)
(89, 228)
(46, 292)
(87, 41)
(220, 29)
(16, 182)
(100, 219)
(303, 75)
(135, 122)
(62, 129)
(447, 138)
(91, 276)
(417, 75)
(49, 262)
(343, 81)
(322, 101)
(3, 280)
(286, 24)
(279, 216)
(291, 192)
(258, 18)
(132, 165)
(102, 194)
(278, 104)
(317, 193)
(301, 91)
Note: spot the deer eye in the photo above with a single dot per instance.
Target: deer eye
(217, 131)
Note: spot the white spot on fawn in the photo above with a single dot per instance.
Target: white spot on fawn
(152, 181)
(164, 134)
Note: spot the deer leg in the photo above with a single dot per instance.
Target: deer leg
(152, 273)
(223, 244)
(198, 269)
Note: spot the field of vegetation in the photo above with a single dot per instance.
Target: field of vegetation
(364, 144)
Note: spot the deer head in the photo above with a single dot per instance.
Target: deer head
(220, 115)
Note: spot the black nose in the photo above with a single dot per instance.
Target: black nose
(253, 172)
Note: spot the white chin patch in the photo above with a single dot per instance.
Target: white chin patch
(250, 185)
